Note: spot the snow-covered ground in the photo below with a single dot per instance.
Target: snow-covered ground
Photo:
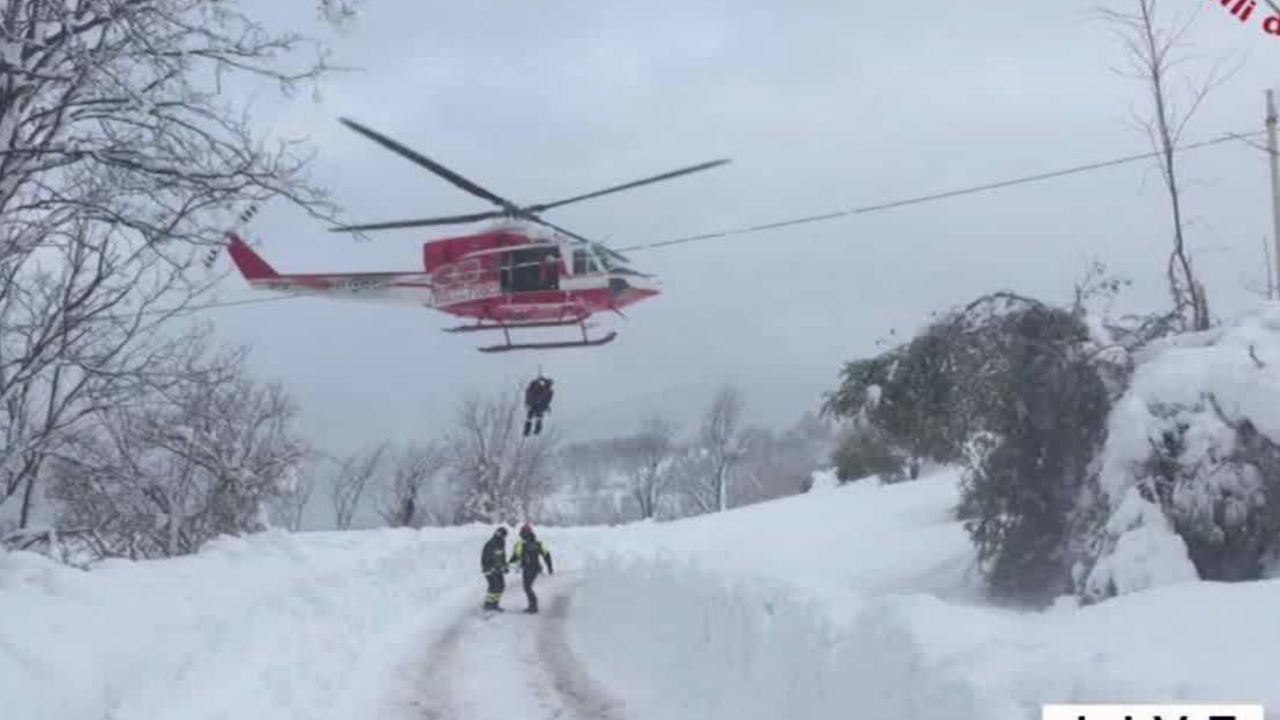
(273, 626)
(861, 598)
(856, 600)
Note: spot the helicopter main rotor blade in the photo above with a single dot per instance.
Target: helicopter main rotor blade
(627, 186)
(424, 222)
(614, 253)
(557, 228)
(429, 164)
(598, 245)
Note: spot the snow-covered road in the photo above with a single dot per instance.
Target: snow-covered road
(484, 666)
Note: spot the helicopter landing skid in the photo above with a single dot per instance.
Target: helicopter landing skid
(550, 345)
(478, 327)
(508, 345)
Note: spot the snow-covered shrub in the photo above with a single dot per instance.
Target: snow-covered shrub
(1042, 406)
(1222, 497)
(1015, 391)
(1190, 477)
(904, 408)
(865, 450)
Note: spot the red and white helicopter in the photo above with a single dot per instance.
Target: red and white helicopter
(522, 272)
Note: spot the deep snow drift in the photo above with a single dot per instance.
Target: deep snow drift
(859, 598)
(272, 626)
(849, 600)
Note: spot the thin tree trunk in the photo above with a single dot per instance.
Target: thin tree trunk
(1186, 291)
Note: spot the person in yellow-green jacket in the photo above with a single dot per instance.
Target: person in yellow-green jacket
(529, 552)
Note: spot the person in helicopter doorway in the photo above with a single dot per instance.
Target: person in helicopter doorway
(530, 552)
(493, 564)
(537, 400)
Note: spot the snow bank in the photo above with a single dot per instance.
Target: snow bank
(856, 536)
(698, 646)
(1193, 642)
(785, 612)
(273, 626)
(785, 609)
(823, 480)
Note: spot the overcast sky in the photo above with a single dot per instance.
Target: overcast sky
(821, 106)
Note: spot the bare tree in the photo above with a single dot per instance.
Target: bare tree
(706, 472)
(721, 437)
(200, 455)
(761, 469)
(349, 483)
(649, 460)
(413, 498)
(775, 465)
(502, 475)
(1151, 50)
(290, 509)
(593, 476)
(119, 158)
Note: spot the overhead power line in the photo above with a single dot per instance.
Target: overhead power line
(933, 197)
(1026, 179)
(214, 305)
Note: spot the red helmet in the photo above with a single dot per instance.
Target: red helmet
(526, 530)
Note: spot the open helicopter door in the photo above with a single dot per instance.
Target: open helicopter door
(530, 269)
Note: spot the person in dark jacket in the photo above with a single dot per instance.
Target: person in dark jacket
(537, 400)
(530, 552)
(493, 563)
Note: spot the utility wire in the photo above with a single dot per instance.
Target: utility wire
(1229, 137)
(1258, 146)
(212, 306)
(940, 195)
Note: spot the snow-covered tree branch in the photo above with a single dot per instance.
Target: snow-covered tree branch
(200, 453)
(120, 157)
(502, 475)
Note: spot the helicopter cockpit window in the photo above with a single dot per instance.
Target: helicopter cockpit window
(607, 260)
(584, 262)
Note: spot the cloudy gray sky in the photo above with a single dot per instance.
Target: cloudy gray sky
(821, 106)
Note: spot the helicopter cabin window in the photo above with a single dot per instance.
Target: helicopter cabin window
(584, 262)
(531, 270)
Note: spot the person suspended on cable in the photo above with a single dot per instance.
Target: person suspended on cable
(493, 564)
(530, 552)
(537, 402)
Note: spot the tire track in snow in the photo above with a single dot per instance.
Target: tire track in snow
(575, 686)
(507, 665)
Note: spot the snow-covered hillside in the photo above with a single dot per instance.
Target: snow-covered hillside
(857, 599)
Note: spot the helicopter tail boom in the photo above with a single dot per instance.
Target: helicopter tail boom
(250, 264)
